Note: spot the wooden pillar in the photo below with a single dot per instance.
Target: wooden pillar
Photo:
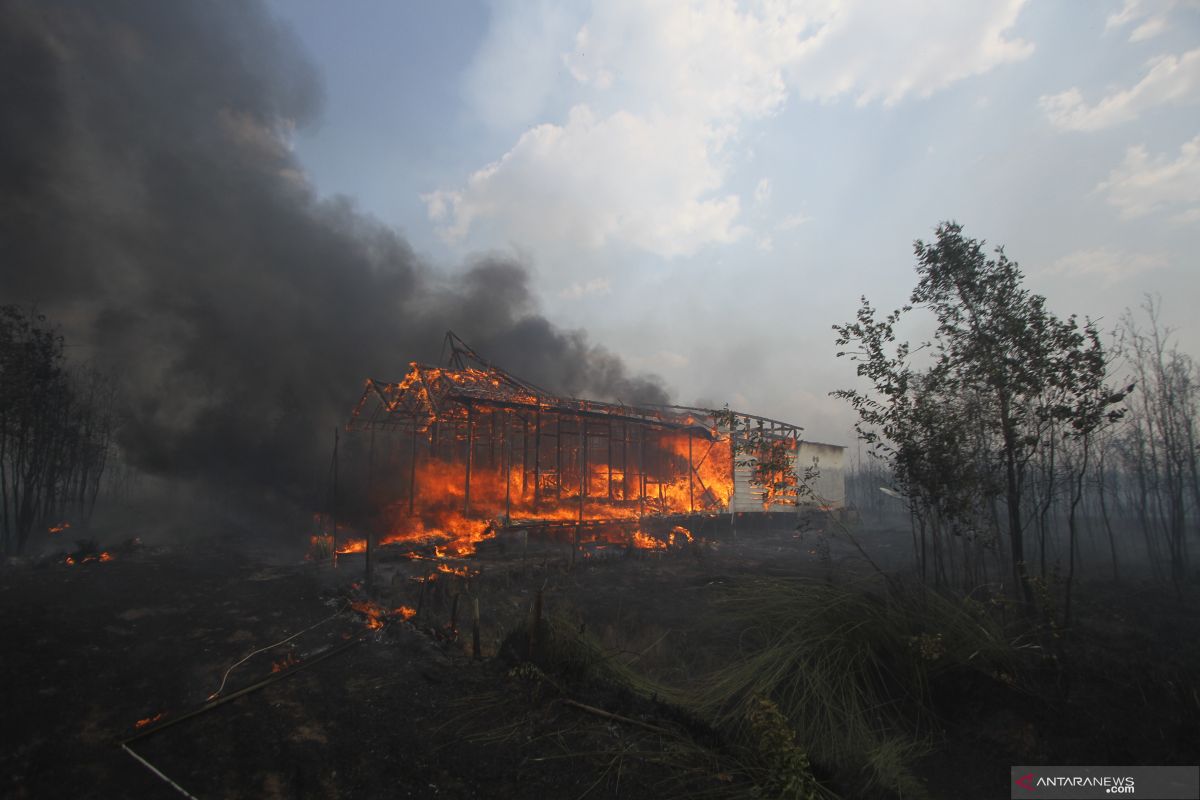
(691, 472)
(412, 472)
(583, 483)
(492, 439)
(537, 459)
(558, 457)
(524, 458)
(642, 472)
(470, 458)
(367, 574)
(334, 496)
(610, 459)
(625, 461)
(583, 465)
(506, 456)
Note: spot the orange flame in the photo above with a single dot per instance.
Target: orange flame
(377, 616)
(90, 558)
(141, 723)
(644, 542)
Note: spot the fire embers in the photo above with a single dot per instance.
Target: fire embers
(76, 559)
(677, 537)
(146, 722)
(87, 551)
(376, 616)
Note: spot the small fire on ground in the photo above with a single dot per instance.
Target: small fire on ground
(376, 616)
(142, 723)
(88, 558)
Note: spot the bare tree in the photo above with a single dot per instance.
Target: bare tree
(1160, 443)
(56, 429)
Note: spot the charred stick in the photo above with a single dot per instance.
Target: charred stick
(535, 625)
(157, 772)
(276, 676)
(475, 648)
(600, 712)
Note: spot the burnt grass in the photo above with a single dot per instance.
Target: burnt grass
(405, 711)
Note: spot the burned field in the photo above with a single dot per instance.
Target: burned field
(628, 674)
(515, 594)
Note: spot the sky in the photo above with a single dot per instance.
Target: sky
(707, 187)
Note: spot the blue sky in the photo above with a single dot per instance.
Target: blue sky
(707, 187)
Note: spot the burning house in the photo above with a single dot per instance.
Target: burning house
(471, 450)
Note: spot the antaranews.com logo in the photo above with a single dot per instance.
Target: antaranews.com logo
(1119, 785)
(1081, 783)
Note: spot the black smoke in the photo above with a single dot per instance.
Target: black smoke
(149, 203)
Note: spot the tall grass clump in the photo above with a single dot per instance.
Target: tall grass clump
(849, 666)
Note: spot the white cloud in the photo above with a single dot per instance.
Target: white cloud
(1108, 265)
(515, 71)
(720, 59)
(891, 51)
(1169, 80)
(647, 181)
(1149, 17)
(660, 92)
(1142, 185)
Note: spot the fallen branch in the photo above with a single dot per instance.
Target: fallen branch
(225, 677)
(159, 773)
(276, 676)
(600, 712)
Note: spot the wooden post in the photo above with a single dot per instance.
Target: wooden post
(333, 504)
(610, 459)
(583, 483)
(492, 440)
(454, 615)
(412, 472)
(537, 459)
(506, 457)
(691, 471)
(558, 457)
(642, 473)
(583, 465)
(535, 625)
(476, 651)
(625, 461)
(371, 523)
(420, 601)
(524, 458)
(470, 458)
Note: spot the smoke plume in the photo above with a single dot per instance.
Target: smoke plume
(149, 203)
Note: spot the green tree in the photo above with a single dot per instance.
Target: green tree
(996, 377)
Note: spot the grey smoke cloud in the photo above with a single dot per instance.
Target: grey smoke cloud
(149, 202)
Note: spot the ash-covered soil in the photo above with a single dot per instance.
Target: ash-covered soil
(405, 711)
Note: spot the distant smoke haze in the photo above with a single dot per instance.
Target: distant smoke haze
(150, 204)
